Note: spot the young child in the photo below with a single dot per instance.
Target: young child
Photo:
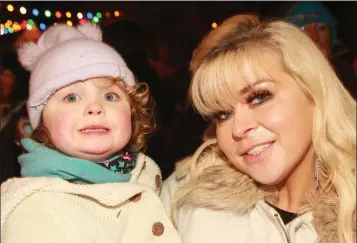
(84, 179)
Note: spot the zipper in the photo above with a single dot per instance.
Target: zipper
(283, 228)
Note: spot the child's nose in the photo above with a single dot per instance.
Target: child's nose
(94, 109)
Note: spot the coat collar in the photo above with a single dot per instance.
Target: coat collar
(222, 187)
(144, 178)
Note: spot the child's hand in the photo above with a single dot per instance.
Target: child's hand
(43, 161)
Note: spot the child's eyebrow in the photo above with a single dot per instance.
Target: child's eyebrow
(111, 87)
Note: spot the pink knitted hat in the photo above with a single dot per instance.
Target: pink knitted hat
(64, 55)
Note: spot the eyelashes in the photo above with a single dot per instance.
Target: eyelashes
(253, 99)
(258, 96)
(73, 97)
(222, 115)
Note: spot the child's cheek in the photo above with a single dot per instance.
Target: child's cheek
(60, 126)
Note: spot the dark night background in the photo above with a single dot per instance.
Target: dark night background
(152, 14)
(140, 34)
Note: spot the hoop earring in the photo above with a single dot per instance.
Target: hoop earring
(317, 171)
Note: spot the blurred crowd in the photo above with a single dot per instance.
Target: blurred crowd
(161, 58)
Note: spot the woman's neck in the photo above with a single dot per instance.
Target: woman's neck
(301, 181)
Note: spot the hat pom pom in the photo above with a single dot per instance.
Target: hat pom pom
(28, 54)
(91, 31)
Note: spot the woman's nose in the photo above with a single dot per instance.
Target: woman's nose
(243, 122)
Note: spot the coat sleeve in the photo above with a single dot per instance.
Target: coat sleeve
(33, 221)
(62, 218)
(168, 190)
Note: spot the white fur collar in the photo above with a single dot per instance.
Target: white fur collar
(222, 187)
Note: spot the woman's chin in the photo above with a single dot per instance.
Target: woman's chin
(269, 180)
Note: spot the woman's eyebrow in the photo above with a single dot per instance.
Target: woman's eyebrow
(247, 88)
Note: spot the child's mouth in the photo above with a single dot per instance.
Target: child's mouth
(96, 129)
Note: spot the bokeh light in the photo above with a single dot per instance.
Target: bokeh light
(35, 12)
(23, 10)
(48, 13)
(30, 22)
(82, 21)
(58, 14)
(10, 8)
(79, 15)
(42, 26)
(23, 24)
(95, 19)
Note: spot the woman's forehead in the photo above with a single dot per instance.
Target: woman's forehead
(241, 70)
(222, 81)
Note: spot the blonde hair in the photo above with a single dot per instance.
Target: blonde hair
(142, 109)
(216, 66)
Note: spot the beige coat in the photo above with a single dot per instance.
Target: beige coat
(51, 210)
(223, 209)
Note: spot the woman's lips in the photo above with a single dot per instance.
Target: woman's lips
(258, 153)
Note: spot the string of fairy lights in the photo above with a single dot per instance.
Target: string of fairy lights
(32, 18)
(39, 17)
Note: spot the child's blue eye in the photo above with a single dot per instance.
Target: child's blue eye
(111, 97)
(71, 98)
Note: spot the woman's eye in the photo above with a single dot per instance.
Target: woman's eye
(111, 97)
(223, 115)
(71, 98)
(259, 97)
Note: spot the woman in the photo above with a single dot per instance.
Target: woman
(278, 163)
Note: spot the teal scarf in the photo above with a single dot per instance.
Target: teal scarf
(41, 161)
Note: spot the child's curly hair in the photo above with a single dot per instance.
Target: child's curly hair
(142, 117)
